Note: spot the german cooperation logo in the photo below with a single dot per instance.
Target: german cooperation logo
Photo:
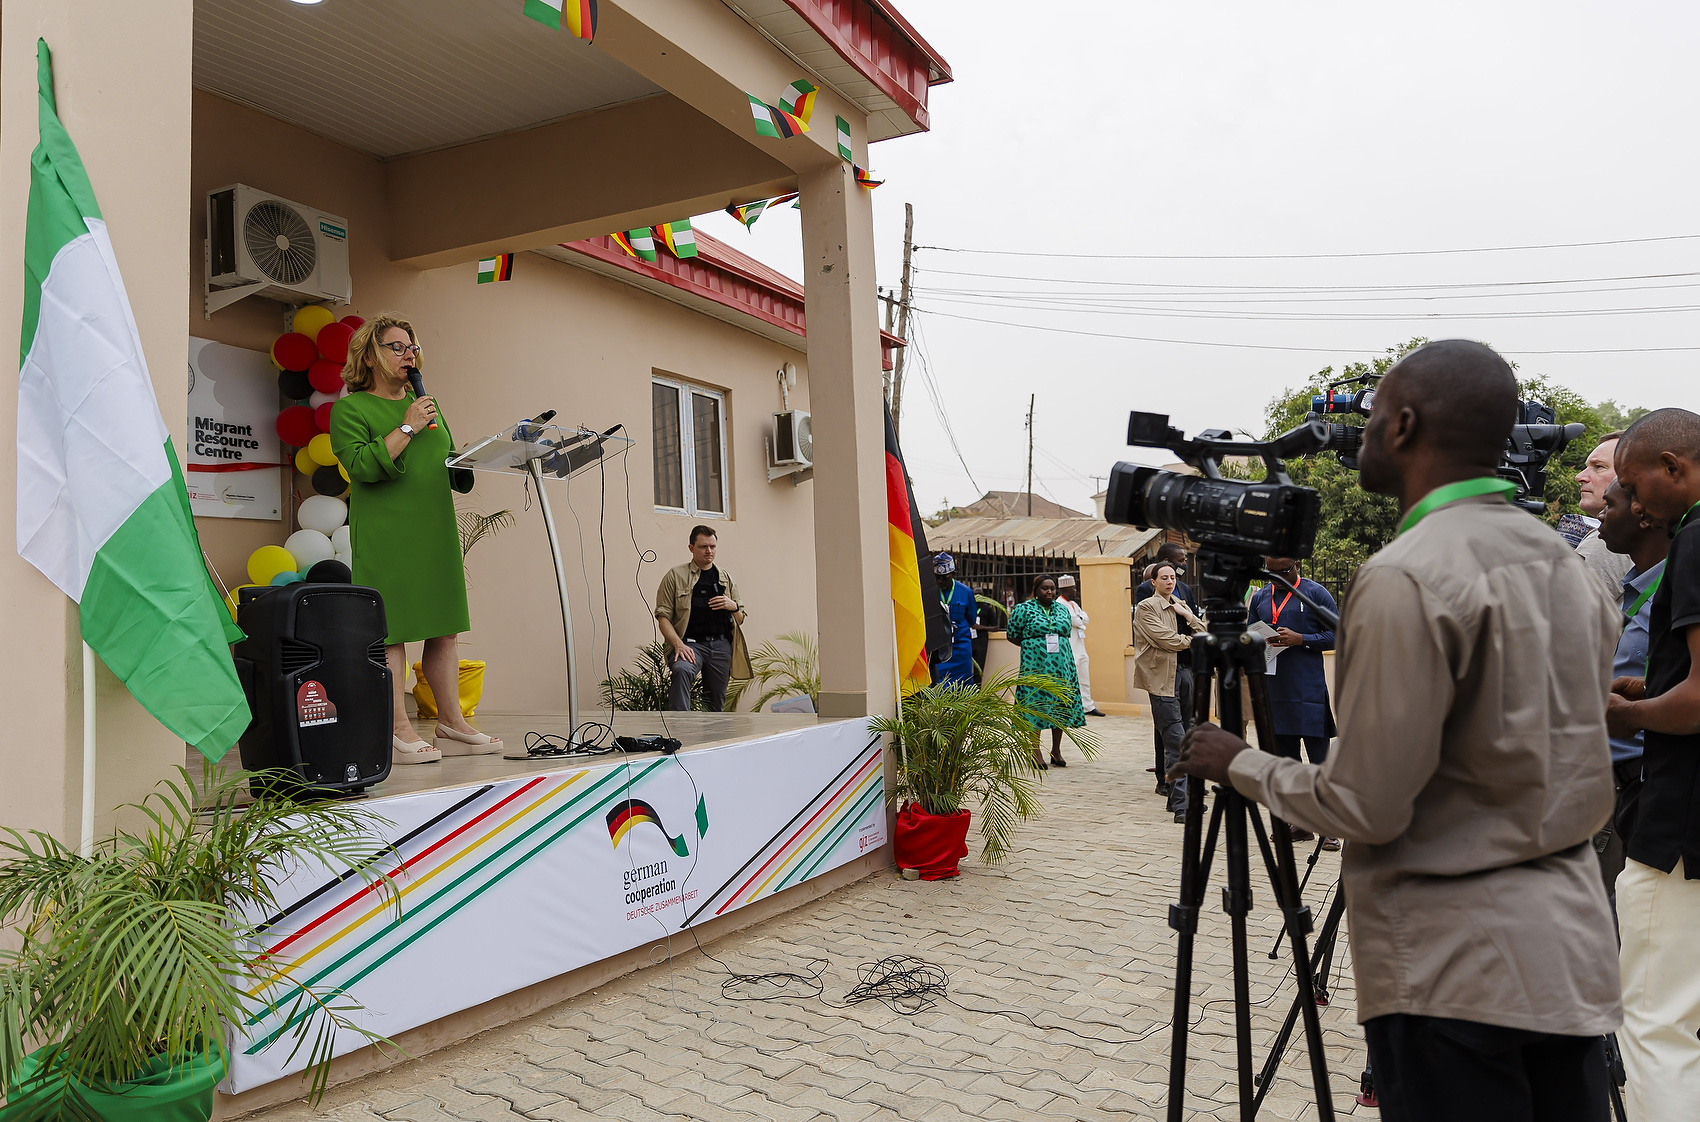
(647, 887)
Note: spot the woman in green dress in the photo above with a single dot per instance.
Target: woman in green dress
(1042, 626)
(402, 527)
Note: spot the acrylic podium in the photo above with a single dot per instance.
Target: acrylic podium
(542, 451)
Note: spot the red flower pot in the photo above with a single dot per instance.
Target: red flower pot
(931, 843)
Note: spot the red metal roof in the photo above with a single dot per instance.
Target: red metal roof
(726, 276)
(874, 38)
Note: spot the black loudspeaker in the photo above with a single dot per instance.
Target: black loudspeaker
(317, 684)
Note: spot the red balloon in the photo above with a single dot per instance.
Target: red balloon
(296, 426)
(351, 321)
(295, 351)
(325, 375)
(333, 342)
(322, 416)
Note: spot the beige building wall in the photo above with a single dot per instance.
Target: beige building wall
(553, 337)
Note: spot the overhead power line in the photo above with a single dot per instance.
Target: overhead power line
(982, 300)
(1170, 286)
(1304, 256)
(1062, 295)
(1270, 346)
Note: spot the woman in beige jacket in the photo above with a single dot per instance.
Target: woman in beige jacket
(1156, 640)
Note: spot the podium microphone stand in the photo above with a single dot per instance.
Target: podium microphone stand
(539, 451)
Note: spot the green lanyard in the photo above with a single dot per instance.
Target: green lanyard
(1452, 492)
(1635, 608)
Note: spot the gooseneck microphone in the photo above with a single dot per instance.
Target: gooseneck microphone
(418, 384)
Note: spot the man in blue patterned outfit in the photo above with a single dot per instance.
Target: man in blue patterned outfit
(964, 612)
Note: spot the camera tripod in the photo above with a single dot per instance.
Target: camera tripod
(1231, 654)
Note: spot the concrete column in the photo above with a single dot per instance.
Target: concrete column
(1106, 592)
(852, 569)
(122, 80)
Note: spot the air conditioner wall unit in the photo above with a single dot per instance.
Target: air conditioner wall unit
(262, 245)
(793, 438)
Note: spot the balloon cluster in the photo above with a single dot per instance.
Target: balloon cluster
(309, 359)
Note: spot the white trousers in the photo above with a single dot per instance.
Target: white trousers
(1658, 915)
(1082, 665)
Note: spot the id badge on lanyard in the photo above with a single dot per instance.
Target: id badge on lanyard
(1053, 643)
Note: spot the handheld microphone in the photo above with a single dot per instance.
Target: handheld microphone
(418, 384)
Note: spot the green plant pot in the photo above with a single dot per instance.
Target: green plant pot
(162, 1092)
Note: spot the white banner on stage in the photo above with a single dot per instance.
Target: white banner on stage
(520, 880)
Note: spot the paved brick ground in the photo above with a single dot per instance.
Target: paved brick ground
(1071, 932)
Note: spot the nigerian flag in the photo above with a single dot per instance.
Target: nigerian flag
(102, 510)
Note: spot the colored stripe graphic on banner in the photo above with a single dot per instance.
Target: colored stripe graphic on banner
(635, 812)
(838, 814)
(844, 140)
(409, 863)
(493, 269)
(331, 937)
(616, 780)
(856, 765)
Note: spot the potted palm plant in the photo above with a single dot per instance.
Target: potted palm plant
(962, 744)
(132, 960)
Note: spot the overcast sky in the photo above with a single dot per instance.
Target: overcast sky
(1193, 131)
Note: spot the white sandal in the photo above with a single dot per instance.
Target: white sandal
(412, 752)
(452, 743)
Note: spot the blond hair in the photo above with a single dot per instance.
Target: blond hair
(358, 371)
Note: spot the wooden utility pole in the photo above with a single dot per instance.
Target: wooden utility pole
(902, 321)
(1030, 399)
(890, 311)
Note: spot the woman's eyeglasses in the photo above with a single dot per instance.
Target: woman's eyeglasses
(399, 349)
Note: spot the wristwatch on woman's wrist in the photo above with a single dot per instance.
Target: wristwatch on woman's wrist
(408, 430)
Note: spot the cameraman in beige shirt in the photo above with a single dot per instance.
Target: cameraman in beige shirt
(1470, 773)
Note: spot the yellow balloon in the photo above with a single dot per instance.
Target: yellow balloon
(273, 354)
(320, 449)
(344, 471)
(235, 595)
(268, 561)
(305, 463)
(310, 319)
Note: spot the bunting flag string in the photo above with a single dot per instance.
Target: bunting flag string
(865, 178)
(492, 269)
(638, 243)
(678, 238)
(799, 100)
(747, 213)
(773, 121)
(844, 141)
(575, 16)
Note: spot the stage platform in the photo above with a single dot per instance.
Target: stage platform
(694, 730)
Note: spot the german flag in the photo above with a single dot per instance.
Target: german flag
(906, 600)
(635, 812)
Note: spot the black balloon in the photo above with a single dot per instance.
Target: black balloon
(293, 385)
(329, 481)
(329, 572)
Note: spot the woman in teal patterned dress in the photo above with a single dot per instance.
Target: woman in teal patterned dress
(1042, 626)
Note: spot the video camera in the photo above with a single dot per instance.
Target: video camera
(1273, 517)
(1534, 440)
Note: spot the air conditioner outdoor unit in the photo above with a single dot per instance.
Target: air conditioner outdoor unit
(793, 439)
(260, 245)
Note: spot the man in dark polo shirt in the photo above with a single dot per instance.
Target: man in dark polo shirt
(1658, 892)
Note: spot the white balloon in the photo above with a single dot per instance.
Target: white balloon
(320, 397)
(309, 547)
(323, 513)
(342, 540)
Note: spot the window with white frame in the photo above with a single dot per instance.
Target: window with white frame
(690, 448)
